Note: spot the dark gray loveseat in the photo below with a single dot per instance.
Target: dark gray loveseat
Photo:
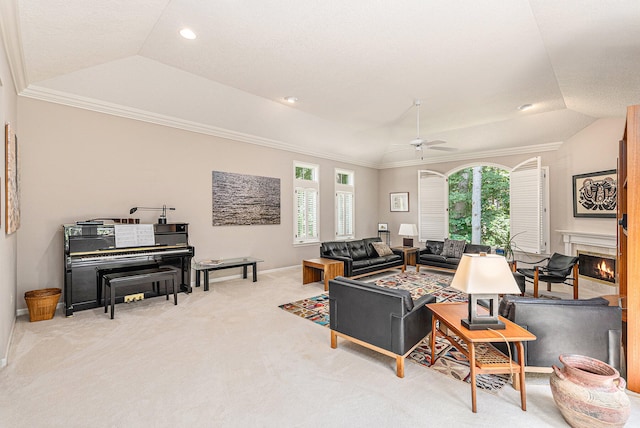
(432, 255)
(360, 258)
(383, 319)
(585, 327)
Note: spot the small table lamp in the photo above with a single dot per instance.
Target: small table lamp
(484, 276)
(407, 229)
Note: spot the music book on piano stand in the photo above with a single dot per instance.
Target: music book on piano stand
(134, 235)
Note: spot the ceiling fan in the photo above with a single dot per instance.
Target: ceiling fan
(420, 144)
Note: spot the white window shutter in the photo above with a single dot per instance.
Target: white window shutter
(312, 209)
(432, 210)
(526, 206)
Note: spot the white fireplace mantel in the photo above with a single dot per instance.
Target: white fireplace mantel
(571, 238)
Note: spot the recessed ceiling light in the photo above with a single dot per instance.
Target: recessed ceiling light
(524, 107)
(187, 33)
(291, 100)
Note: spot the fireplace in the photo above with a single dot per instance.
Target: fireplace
(598, 267)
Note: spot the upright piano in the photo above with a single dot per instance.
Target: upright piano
(90, 251)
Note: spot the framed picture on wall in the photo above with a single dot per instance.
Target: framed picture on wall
(595, 194)
(383, 227)
(399, 201)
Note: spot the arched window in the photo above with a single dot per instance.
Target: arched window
(479, 205)
(489, 204)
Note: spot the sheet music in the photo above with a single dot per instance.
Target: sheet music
(134, 235)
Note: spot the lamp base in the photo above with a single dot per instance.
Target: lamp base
(407, 242)
(499, 325)
(162, 220)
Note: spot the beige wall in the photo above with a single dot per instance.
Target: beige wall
(8, 243)
(593, 149)
(80, 164)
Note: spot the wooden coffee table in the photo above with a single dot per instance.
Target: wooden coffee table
(313, 269)
(450, 314)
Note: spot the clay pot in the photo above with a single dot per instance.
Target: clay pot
(589, 393)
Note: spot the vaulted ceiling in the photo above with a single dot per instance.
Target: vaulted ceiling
(355, 66)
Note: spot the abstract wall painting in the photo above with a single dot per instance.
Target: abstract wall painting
(12, 181)
(595, 194)
(239, 199)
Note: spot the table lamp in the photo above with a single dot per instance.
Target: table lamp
(163, 216)
(407, 229)
(484, 276)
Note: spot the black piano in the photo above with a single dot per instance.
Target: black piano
(90, 251)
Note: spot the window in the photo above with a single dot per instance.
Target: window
(487, 204)
(306, 189)
(344, 204)
(479, 205)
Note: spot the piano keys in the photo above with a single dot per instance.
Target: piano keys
(90, 251)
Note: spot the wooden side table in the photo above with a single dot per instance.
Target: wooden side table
(450, 314)
(314, 269)
(410, 255)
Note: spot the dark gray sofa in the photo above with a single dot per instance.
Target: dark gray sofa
(360, 258)
(431, 255)
(383, 319)
(586, 327)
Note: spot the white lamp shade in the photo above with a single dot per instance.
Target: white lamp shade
(484, 274)
(407, 229)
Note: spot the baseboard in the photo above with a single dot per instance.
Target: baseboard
(226, 278)
(5, 359)
(25, 311)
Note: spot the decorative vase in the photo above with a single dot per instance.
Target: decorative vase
(589, 393)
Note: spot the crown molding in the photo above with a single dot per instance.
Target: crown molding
(535, 148)
(72, 100)
(9, 25)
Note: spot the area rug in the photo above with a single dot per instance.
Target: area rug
(449, 361)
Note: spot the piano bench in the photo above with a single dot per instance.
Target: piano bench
(138, 277)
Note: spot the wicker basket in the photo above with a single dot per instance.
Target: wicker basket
(42, 303)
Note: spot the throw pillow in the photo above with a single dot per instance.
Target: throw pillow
(382, 249)
(453, 248)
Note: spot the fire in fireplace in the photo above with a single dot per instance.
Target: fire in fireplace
(600, 267)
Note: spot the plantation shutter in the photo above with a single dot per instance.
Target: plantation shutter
(307, 207)
(526, 206)
(344, 213)
(432, 208)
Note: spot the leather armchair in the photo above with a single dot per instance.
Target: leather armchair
(558, 270)
(585, 327)
(382, 319)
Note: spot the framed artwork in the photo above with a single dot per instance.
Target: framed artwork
(239, 199)
(399, 201)
(595, 194)
(383, 227)
(11, 181)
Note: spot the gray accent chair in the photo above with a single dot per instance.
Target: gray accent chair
(588, 327)
(382, 319)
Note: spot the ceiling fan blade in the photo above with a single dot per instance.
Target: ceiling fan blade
(444, 149)
(434, 142)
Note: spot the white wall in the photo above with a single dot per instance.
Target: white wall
(595, 148)
(8, 243)
(79, 164)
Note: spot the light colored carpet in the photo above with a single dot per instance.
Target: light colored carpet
(231, 358)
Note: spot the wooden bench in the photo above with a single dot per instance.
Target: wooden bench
(138, 277)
